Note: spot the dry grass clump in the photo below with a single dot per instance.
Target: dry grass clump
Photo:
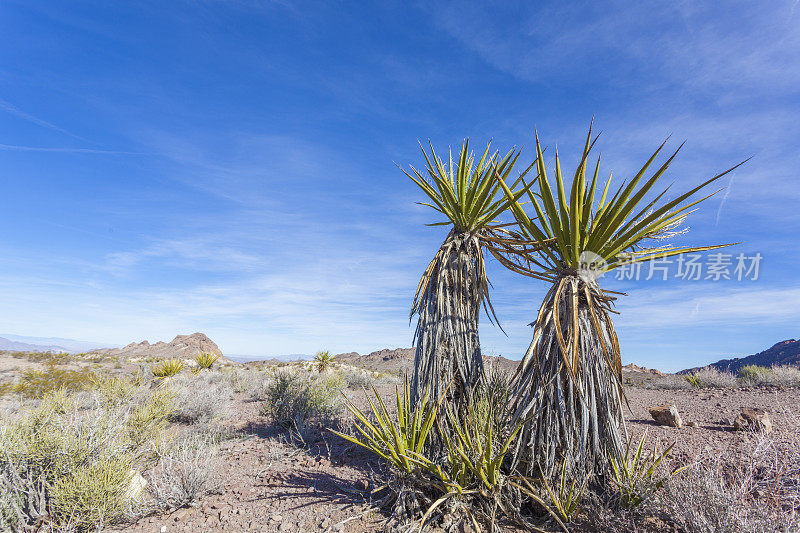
(184, 471)
(755, 491)
(786, 376)
(200, 399)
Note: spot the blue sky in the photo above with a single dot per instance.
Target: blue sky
(229, 167)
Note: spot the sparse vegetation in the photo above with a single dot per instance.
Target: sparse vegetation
(38, 383)
(757, 491)
(70, 463)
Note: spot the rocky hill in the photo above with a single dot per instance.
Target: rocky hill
(784, 353)
(181, 347)
(402, 359)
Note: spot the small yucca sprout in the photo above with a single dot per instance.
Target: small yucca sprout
(167, 368)
(205, 360)
(324, 359)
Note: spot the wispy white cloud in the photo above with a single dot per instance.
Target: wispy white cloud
(9, 108)
(17, 148)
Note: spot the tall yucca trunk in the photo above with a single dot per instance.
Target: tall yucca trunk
(448, 352)
(568, 387)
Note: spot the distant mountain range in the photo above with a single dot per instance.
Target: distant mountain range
(21, 343)
(784, 353)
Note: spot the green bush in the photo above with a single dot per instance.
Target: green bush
(39, 383)
(756, 375)
(292, 401)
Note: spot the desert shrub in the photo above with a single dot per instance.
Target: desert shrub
(757, 491)
(360, 378)
(71, 463)
(167, 368)
(94, 495)
(356, 378)
(756, 375)
(147, 416)
(115, 390)
(240, 379)
(206, 360)
(786, 376)
(293, 400)
(710, 377)
(184, 472)
(46, 358)
(199, 401)
(38, 383)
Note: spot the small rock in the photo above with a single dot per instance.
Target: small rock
(667, 415)
(136, 485)
(724, 422)
(752, 418)
(326, 523)
(276, 518)
(163, 529)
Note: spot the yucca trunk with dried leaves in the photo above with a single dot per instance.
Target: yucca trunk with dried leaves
(448, 302)
(568, 387)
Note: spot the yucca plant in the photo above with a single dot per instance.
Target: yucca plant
(167, 368)
(206, 360)
(565, 495)
(399, 439)
(454, 286)
(569, 382)
(634, 474)
(694, 380)
(323, 360)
